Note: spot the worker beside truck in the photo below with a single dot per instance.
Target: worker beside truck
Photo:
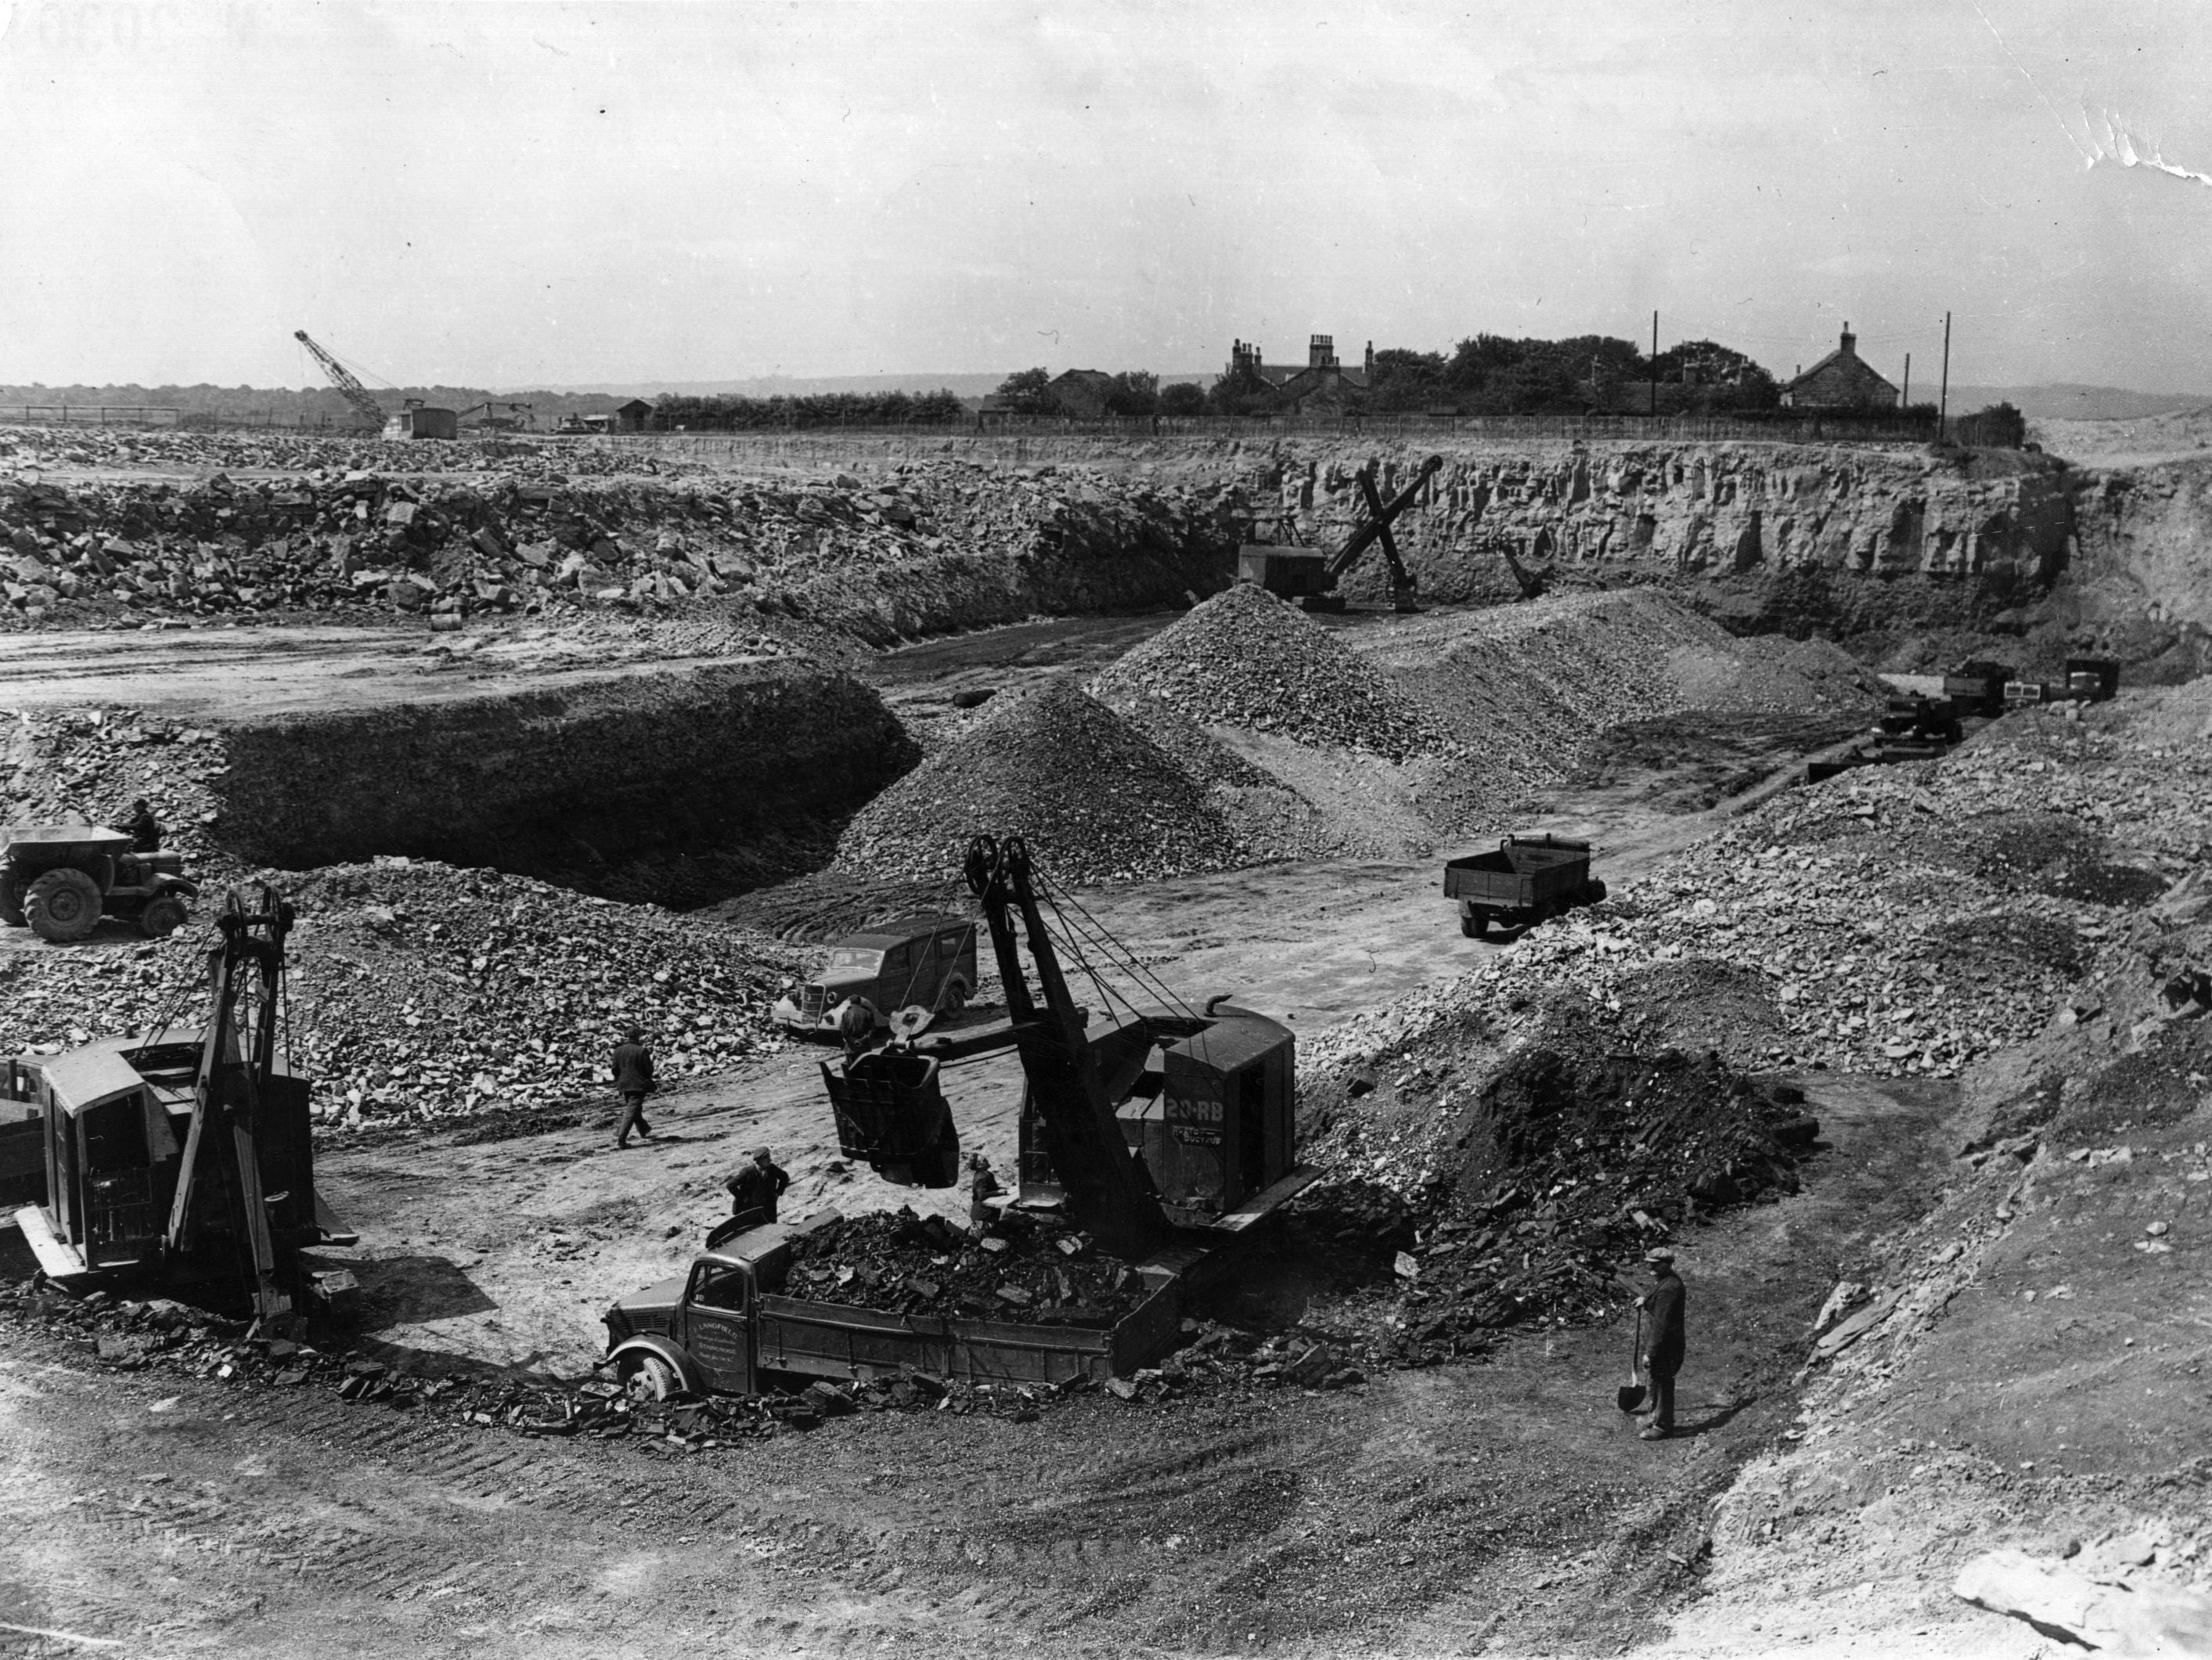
(756, 1186)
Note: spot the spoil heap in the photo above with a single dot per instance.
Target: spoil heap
(1538, 683)
(1098, 802)
(1247, 658)
(1025, 1267)
(1524, 1152)
(88, 766)
(341, 536)
(423, 992)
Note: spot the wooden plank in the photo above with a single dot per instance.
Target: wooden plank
(57, 1258)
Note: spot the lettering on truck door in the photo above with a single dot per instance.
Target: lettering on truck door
(718, 1326)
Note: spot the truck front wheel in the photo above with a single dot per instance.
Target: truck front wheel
(12, 884)
(653, 1379)
(1474, 924)
(62, 905)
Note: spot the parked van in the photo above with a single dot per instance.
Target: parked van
(918, 961)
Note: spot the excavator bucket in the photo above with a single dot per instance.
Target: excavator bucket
(891, 1115)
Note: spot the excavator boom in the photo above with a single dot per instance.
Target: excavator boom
(1377, 527)
(1106, 1193)
(232, 1082)
(343, 379)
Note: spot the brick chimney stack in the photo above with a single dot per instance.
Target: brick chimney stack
(1850, 340)
(1321, 352)
(1369, 364)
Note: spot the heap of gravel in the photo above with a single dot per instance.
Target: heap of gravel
(1247, 658)
(417, 991)
(1530, 687)
(1096, 800)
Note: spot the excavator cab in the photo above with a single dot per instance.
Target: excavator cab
(1220, 1130)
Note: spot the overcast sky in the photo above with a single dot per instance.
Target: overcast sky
(535, 195)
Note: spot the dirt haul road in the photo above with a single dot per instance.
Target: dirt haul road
(508, 1250)
(1501, 1508)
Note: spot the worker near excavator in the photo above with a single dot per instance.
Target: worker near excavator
(633, 1065)
(856, 1024)
(1662, 1346)
(145, 828)
(982, 1188)
(756, 1185)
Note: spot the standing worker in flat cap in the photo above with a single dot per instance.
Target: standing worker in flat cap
(757, 1186)
(633, 1068)
(1662, 1340)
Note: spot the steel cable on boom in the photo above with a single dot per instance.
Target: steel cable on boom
(1127, 962)
(1074, 946)
(1074, 936)
(1108, 943)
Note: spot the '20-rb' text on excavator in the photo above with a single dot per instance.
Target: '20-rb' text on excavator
(184, 1166)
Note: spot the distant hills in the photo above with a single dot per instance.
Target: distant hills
(2076, 403)
(316, 406)
(785, 385)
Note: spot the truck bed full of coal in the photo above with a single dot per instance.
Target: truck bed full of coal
(1023, 1269)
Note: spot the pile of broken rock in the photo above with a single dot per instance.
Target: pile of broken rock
(418, 990)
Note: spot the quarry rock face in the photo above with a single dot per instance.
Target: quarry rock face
(679, 786)
(1687, 510)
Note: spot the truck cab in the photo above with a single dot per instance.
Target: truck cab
(927, 961)
(696, 1331)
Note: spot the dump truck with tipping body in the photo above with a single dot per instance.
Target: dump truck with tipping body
(60, 879)
(1527, 880)
(1168, 1137)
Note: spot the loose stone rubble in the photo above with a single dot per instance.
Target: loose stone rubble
(1097, 800)
(1247, 658)
(420, 992)
(529, 532)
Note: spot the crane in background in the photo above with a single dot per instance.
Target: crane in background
(344, 379)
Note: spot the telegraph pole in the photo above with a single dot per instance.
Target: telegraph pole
(1654, 363)
(1943, 401)
(1906, 402)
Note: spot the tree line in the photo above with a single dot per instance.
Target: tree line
(733, 413)
(1483, 374)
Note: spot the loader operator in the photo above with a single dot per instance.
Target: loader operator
(756, 1187)
(145, 828)
(1662, 1352)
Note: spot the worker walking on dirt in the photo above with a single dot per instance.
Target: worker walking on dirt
(856, 1024)
(145, 828)
(633, 1082)
(757, 1186)
(1663, 1351)
(982, 1188)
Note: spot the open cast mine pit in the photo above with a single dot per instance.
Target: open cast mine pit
(565, 739)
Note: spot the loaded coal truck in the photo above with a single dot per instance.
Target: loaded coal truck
(1157, 1145)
